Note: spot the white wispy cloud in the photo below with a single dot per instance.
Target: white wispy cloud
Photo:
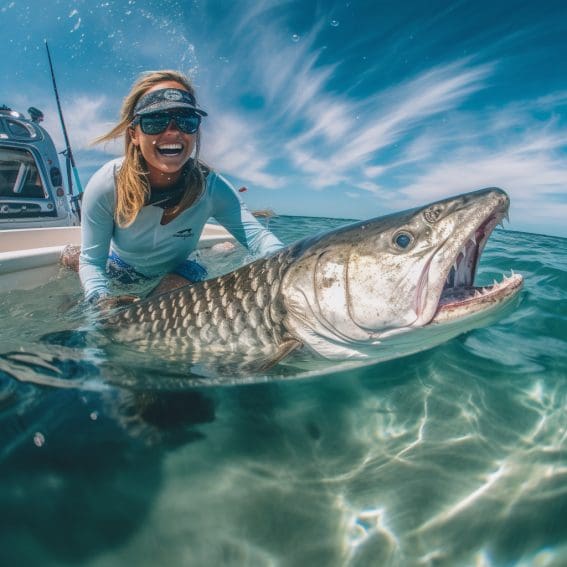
(228, 145)
(510, 134)
(386, 118)
(533, 171)
(86, 119)
(370, 186)
(412, 137)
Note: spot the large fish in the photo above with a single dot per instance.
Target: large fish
(373, 290)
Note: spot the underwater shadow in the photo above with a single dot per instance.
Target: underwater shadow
(80, 471)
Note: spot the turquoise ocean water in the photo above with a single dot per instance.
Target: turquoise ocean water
(454, 456)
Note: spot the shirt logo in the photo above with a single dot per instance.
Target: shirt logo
(185, 233)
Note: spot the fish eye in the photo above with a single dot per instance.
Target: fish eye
(403, 240)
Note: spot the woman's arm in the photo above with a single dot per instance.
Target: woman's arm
(233, 214)
(97, 226)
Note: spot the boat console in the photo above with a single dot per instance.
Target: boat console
(32, 194)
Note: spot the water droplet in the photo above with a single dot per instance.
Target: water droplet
(335, 23)
(38, 439)
(295, 38)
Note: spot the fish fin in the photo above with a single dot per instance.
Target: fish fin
(233, 369)
(265, 363)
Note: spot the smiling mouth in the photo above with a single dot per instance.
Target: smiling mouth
(170, 149)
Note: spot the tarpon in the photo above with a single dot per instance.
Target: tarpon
(372, 290)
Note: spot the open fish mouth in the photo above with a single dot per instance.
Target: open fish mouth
(459, 294)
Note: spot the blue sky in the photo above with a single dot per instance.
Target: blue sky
(347, 109)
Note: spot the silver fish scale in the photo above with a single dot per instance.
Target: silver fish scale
(240, 310)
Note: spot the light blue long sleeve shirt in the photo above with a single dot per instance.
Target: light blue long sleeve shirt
(153, 249)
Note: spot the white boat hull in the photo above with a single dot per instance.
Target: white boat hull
(29, 257)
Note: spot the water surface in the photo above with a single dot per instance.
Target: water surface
(455, 456)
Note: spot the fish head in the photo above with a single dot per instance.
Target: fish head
(362, 284)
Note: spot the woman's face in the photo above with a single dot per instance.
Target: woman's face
(165, 153)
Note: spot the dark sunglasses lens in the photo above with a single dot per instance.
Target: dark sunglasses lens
(188, 123)
(153, 124)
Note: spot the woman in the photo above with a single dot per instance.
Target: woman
(144, 213)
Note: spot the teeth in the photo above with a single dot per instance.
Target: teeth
(170, 147)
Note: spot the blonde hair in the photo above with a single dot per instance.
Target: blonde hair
(132, 183)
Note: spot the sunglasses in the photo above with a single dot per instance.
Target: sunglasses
(157, 123)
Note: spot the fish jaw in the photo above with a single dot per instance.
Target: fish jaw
(448, 284)
(468, 301)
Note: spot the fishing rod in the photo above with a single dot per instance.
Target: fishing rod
(68, 153)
